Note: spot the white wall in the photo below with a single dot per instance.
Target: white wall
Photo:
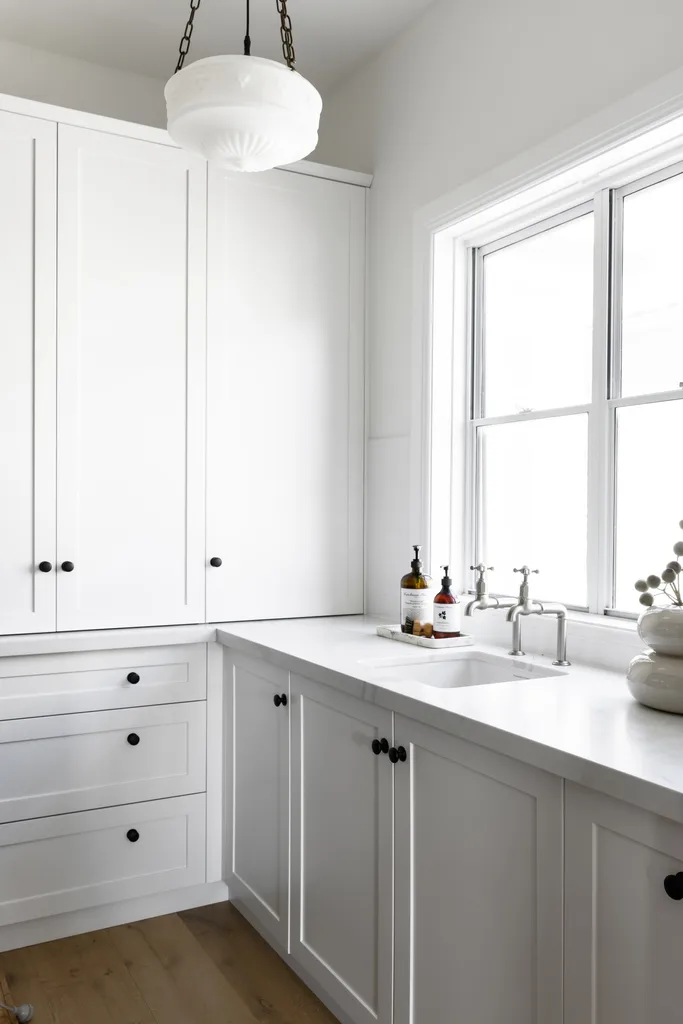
(50, 78)
(470, 85)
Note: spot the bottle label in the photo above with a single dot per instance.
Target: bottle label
(447, 618)
(416, 605)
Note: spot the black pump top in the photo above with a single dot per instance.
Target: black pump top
(446, 581)
(416, 564)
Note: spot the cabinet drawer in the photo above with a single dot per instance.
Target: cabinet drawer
(76, 762)
(53, 865)
(57, 684)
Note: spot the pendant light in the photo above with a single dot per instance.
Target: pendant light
(245, 113)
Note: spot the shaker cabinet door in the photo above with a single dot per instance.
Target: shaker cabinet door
(285, 396)
(624, 930)
(131, 382)
(257, 696)
(342, 849)
(478, 885)
(28, 181)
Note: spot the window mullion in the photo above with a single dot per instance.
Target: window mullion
(600, 420)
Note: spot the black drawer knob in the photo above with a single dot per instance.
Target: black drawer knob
(673, 886)
(45, 566)
(216, 562)
(380, 746)
(279, 699)
(398, 754)
(67, 567)
(133, 739)
(132, 835)
(133, 677)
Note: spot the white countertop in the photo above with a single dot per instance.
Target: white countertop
(583, 725)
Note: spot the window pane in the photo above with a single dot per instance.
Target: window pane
(652, 317)
(538, 321)
(649, 494)
(534, 505)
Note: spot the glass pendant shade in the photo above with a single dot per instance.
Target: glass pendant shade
(244, 113)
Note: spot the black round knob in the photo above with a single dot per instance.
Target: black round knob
(67, 567)
(673, 886)
(133, 677)
(132, 835)
(380, 746)
(398, 754)
(279, 699)
(45, 566)
(402, 755)
(133, 739)
(216, 562)
(393, 755)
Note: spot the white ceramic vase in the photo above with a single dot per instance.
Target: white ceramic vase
(657, 681)
(662, 630)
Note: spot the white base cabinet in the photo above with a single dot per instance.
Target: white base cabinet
(624, 934)
(478, 883)
(426, 878)
(342, 824)
(257, 786)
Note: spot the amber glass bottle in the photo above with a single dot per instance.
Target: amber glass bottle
(416, 597)
(446, 610)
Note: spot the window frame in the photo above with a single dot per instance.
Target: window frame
(605, 201)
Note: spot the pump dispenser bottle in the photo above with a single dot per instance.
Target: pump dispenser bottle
(447, 610)
(416, 598)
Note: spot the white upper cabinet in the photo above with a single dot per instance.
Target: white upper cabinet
(27, 366)
(285, 394)
(131, 381)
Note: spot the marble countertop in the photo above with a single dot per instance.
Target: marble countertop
(581, 724)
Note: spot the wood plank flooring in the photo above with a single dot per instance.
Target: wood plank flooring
(204, 966)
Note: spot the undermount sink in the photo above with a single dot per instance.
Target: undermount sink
(462, 668)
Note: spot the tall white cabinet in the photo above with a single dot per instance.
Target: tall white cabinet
(28, 152)
(131, 344)
(115, 245)
(285, 396)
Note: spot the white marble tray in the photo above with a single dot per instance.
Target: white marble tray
(394, 633)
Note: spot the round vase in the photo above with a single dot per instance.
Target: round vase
(662, 630)
(657, 681)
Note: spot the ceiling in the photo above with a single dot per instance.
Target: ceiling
(331, 37)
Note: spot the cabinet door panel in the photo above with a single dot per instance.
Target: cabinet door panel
(342, 848)
(285, 416)
(258, 840)
(131, 350)
(478, 885)
(624, 935)
(28, 181)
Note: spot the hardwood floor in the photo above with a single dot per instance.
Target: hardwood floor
(204, 966)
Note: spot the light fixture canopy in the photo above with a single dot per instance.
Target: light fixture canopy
(245, 113)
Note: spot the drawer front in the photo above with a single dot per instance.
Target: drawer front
(57, 684)
(53, 865)
(76, 762)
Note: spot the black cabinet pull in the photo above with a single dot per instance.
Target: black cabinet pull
(45, 566)
(132, 835)
(67, 567)
(133, 739)
(216, 562)
(380, 746)
(133, 677)
(398, 754)
(673, 886)
(280, 699)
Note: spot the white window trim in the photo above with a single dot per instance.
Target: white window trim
(513, 194)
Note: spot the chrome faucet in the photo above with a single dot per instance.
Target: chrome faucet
(483, 600)
(525, 606)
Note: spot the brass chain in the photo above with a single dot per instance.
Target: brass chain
(187, 35)
(286, 35)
